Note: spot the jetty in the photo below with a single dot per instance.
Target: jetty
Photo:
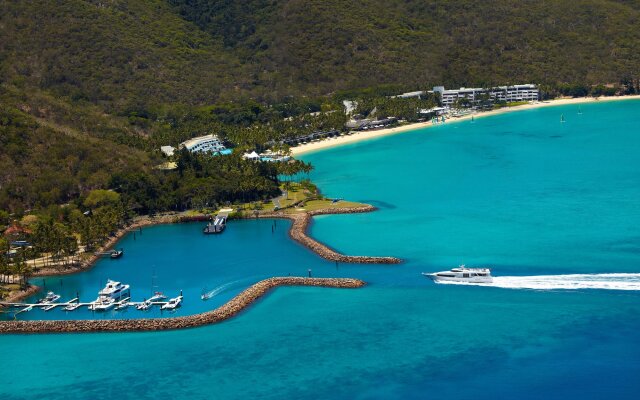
(75, 304)
(110, 253)
(219, 223)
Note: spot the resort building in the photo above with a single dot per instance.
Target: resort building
(527, 92)
(167, 150)
(268, 156)
(410, 95)
(366, 124)
(205, 144)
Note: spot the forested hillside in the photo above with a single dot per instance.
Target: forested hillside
(90, 88)
(324, 45)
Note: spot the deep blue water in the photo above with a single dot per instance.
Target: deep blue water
(519, 192)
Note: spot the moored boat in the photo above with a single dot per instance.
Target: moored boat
(49, 298)
(102, 303)
(462, 274)
(144, 306)
(71, 306)
(157, 296)
(172, 304)
(116, 253)
(114, 290)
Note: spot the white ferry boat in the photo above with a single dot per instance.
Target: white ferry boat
(114, 290)
(462, 274)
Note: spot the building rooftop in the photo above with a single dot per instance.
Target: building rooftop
(196, 140)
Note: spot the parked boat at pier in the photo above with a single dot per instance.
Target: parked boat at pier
(49, 298)
(144, 306)
(172, 304)
(72, 306)
(114, 290)
(157, 296)
(116, 253)
(103, 303)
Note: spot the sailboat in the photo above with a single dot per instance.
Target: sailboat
(562, 118)
(579, 111)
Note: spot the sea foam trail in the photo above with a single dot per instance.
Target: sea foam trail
(616, 281)
(221, 288)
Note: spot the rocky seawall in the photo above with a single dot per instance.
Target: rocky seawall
(222, 313)
(300, 225)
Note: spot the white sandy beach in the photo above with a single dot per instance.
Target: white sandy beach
(366, 135)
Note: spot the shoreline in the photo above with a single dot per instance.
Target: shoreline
(360, 136)
(297, 232)
(226, 311)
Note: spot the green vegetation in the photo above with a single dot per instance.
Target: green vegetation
(90, 89)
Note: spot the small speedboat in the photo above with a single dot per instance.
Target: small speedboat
(172, 304)
(462, 274)
(206, 294)
(49, 298)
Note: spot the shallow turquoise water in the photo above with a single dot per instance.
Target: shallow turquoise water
(520, 192)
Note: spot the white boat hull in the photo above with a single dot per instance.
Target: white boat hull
(446, 279)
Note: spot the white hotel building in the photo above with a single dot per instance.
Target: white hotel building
(203, 144)
(527, 92)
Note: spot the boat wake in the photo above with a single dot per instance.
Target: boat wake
(614, 281)
(212, 293)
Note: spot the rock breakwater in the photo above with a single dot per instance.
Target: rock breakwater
(300, 225)
(222, 313)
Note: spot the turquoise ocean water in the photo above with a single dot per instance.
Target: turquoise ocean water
(519, 192)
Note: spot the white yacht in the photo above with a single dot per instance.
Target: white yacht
(172, 304)
(462, 274)
(114, 289)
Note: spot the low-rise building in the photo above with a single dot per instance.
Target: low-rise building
(527, 92)
(167, 150)
(204, 144)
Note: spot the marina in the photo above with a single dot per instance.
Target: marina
(114, 295)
